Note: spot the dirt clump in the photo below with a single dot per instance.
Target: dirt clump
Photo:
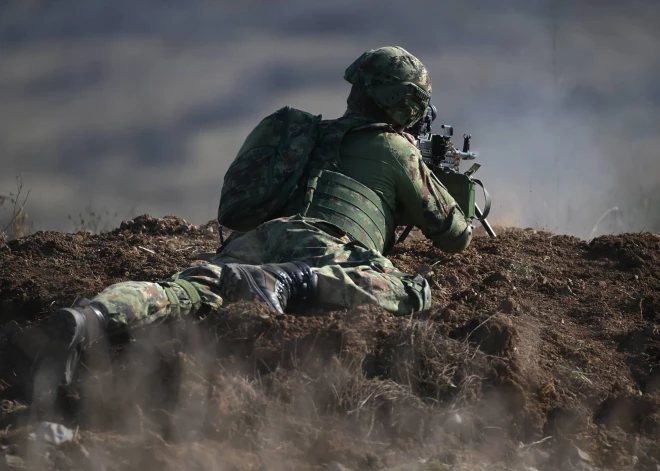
(540, 351)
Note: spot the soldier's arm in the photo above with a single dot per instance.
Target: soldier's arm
(424, 202)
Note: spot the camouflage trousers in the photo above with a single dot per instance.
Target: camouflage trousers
(349, 275)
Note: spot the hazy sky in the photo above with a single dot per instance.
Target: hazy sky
(139, 107)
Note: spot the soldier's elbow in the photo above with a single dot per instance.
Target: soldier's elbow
(456, 244)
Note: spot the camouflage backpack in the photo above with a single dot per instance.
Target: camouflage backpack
(265, 174)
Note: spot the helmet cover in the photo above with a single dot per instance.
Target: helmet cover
(396, 80)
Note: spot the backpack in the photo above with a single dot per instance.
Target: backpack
(265, 174)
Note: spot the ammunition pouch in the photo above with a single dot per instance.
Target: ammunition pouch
(462, 188)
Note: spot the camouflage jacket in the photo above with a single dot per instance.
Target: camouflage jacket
(387, 163)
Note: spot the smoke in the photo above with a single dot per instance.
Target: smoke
(140, 107)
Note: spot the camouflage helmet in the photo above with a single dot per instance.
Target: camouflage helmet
(396, 81)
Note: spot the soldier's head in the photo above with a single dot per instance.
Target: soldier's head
(389, 83)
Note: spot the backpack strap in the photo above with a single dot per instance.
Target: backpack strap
(326, 153)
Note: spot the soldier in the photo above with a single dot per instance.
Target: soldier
(332, 256)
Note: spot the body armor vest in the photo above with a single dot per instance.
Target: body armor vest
(351, 206)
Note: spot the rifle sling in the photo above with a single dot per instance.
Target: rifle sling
(487, 202)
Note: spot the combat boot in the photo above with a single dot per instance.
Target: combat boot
(56, 344)
(285, 287)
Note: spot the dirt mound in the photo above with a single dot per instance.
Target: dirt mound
(541, 351)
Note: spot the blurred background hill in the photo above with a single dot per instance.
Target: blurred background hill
(139, 107)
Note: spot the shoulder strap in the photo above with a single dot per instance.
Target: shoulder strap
(333, 132)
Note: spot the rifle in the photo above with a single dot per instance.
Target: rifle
(439, 153)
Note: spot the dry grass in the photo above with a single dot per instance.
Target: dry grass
(190, 385)
(93, 221)
(19, 225)
(436, 367)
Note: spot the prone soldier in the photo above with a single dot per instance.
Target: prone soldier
(319, 233)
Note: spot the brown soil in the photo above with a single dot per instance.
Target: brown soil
(541, 351)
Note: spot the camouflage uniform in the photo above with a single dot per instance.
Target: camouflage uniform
(350, 267)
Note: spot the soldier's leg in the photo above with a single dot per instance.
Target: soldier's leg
(331, 286)
(348, 274)
(396, 292)
(55, 344)
(138, 303)
(62, 337)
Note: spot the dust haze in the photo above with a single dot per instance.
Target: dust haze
(139, 107)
